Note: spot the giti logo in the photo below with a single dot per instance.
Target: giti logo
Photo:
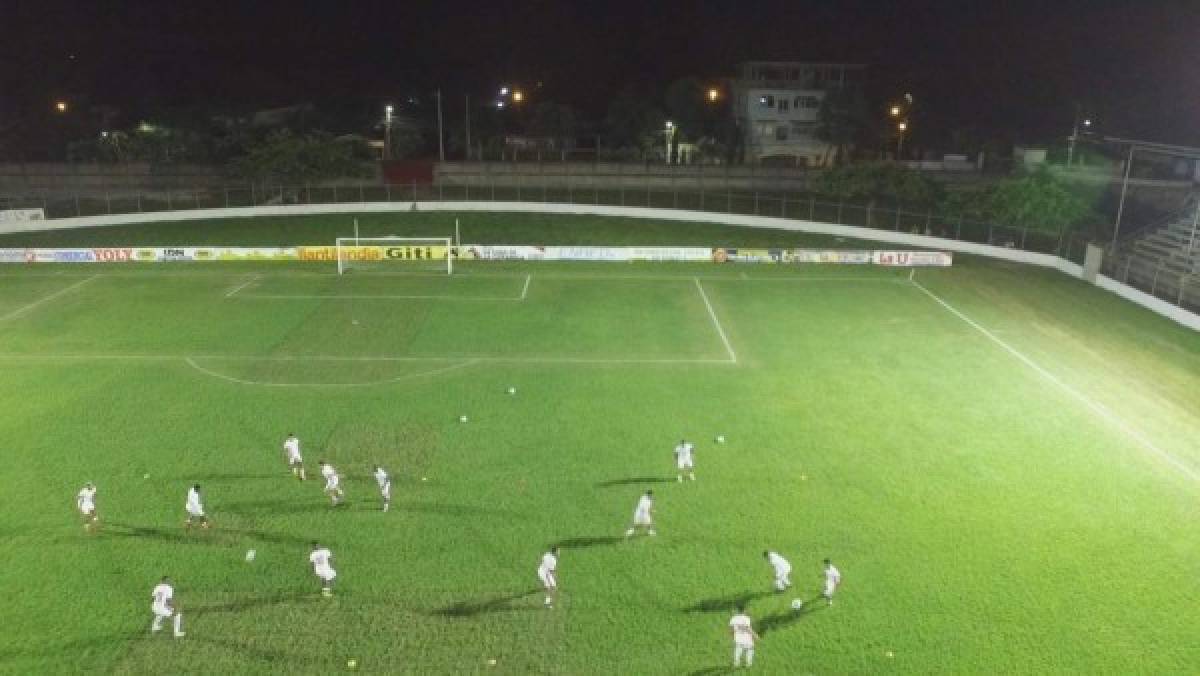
(408, 252)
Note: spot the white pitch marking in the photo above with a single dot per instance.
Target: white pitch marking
(1097, 408)
(716, 322)
(407, 376)
(525, 289)
(26, 308)
(338, 358)
(371, 297)
(242, 286)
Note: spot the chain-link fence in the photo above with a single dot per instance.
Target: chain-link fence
(779, 204)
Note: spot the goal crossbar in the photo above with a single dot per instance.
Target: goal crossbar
(393, 253)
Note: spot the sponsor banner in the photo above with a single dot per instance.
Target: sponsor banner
(670, 253)
(501, 253)
(831, 256)
(587, 253)
(330, 253)
(414, 253)
(13, 255)
(728, 255)
(121, 255)
(913, 258)
(7, 215)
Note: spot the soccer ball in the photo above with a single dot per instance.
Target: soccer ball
(720, 438)
(462, 418)
(512, 390)
(797, 604)
(351, 663)
(250, 554)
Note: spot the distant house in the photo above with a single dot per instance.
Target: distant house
(777, 107)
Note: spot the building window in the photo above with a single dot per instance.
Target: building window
(767, 101)
(781, 133)
(783, 105)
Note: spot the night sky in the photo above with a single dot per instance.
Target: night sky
(1015, 66)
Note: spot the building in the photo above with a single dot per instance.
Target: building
(777, 107)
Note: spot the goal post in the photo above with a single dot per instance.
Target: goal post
(395, 254)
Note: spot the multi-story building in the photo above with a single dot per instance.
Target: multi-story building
(777, 106)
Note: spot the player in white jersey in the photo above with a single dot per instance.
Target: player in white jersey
(322, 563)
(162, 605)
(643, 515)
(833, 578)
(743, 637)
(547, 573)
(385, 486)
(684, 461)
(291, 453)
(85, 502)
(195, 508)
(783, 569)
(333, 482)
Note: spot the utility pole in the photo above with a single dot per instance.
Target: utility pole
(467, 98)
(441, 140)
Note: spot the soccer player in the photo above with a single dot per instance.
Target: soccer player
(643, 515)
(385, 486)
(195, 509)
(683, 460)
(743, 637)
(332, 482)
(322, 562)
(291, 452)
(548, 575)
(833, 578)
(85, 501)
(782, 569)
(162, 596)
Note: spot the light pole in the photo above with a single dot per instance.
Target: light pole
(669, 133)
(1087, 122)
(901, 127)
(387, 131)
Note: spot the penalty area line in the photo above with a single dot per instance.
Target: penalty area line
(45, 299)
(1098, 409)
(190, 361)
(716, 322)
(242, 286)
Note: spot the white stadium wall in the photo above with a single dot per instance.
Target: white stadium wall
(1163, 308)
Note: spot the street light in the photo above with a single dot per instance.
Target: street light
(1087, 123)
(517, 96)
(60, 106)
(895, 111)
(669, 134)
(387, 131)
(901, 127)
(713, 95)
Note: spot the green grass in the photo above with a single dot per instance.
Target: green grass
(985, 520)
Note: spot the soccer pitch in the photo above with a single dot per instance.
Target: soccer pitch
(1002, 461)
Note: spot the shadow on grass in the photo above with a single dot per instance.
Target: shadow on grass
(725, 604)
(495, 604)
(707, 671)
(264, 536)
(254, 507)
(71, 647)
(778, 621)
(177, 535)
(243, 649)
(238, 605)
(229, 476)
(450, 509)
(632, 481)
(585, 542)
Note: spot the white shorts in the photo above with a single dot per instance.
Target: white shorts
(161, 611)
(684, 463)
(744, 645)
(198, 513)
(641, 519)
(88, 511)
(547, 578)
(326, 574)
(295, 460)
(331, 484)
(781, 573)
(830, 587)
(386, 491)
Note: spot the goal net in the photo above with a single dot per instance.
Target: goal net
(395, 254)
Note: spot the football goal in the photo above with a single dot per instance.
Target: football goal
(395, 254)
